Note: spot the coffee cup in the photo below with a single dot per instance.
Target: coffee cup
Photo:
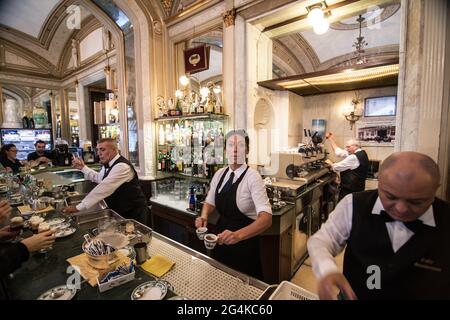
(210, 240)
(141, 252)
(201, 232)
(16, 224)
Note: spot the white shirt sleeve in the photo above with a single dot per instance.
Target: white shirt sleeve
(349, 163)
(118, 175)
(259, 194)
(331, 239)
(92, 174)
(342, 153)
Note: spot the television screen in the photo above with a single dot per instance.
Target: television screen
(380, 106)
(24, 139)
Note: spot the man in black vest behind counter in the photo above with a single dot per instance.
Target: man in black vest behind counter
(118, 184)
(397, 237)
(353, 169)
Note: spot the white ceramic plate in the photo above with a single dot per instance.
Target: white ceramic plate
(65, 232)
(58, 293)
(55, 221)
(151, 290)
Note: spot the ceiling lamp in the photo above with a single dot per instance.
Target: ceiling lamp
(360, 43)
(318, 18)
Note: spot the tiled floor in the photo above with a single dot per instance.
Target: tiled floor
(305, 278)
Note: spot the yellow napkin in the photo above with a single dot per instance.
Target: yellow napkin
(158, 265)
(27, 209)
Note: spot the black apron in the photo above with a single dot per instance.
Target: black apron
(245, 255)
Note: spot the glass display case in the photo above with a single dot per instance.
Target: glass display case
(24, 139)
(191, 145)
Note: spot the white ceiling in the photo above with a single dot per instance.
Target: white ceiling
(335, 43)
(27, 16)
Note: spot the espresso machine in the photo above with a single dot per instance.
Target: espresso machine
(62, 155)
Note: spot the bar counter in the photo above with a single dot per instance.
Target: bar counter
(194, 276)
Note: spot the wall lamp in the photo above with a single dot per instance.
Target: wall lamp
(317, 17)
(353, 113)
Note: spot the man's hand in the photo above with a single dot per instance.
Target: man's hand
(201, 222)
(39, 241)
(7, 234)
(5, 210)
(328, 163)
(228, 237)
(328, 135)
(330, 285)
(77, 163)
(70, 209)
(43, 159)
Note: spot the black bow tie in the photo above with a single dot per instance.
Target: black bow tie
(106, 165)
(414, 226)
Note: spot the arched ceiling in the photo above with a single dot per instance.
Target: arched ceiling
(27, 16)
(311, 52)
(36, 37)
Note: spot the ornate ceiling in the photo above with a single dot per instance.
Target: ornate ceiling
(304, 51)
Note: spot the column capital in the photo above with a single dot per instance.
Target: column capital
(229, 17)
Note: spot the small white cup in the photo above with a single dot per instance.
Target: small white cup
(210, 240)
(201, 232)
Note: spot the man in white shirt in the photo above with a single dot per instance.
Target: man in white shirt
(353, 169)
(397, 237)
(118, 184)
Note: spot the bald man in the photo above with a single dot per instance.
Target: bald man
(397, 237)
(353, 169)
(118, 184)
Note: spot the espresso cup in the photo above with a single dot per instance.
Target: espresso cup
(210, 241)
(201, 232)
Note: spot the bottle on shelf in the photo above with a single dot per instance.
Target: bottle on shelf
(192, 199)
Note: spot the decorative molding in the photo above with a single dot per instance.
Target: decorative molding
(229, 17)
(167, 6)
(157, 27)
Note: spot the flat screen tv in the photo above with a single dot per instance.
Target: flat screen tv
(24, 139)
(380, 106)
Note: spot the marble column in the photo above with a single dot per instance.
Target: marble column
(11, 114)
(64, 104)
(422, 80)
(53, 113)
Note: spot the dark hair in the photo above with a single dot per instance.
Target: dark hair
(6, 147)
(242, 133)
(39, 141)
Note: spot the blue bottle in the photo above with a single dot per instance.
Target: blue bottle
(192, 199)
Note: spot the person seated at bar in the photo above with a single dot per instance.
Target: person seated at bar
(118, 184)
(239, 195)
(8, 158)
(13, 254)
(40, 156)
(397, 237)
(353, 168)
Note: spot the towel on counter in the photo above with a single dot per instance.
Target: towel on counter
(26, 210)
(158, 265)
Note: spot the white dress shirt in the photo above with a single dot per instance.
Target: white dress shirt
(251, 195)
(350, 161)
(118, 175)
(332, 237)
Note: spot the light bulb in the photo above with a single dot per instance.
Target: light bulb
(217, 89)
(321, 27)
(179, 94)
(204, 91)
(315, 15)
(184, 81)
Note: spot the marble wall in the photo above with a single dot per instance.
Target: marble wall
(331, 106)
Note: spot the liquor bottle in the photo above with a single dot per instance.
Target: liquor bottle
(192, 199)
(159, 161)
(162, 139)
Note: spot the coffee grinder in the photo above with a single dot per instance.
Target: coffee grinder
(63, 157)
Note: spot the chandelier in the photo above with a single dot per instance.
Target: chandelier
(360, 43)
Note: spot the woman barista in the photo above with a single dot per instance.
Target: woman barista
(238, 194)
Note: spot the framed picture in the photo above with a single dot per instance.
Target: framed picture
(196, 59)
(376, 133)
(380, 106)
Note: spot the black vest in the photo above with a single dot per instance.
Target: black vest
(420, 269)
(128, 200)
(355, 180)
